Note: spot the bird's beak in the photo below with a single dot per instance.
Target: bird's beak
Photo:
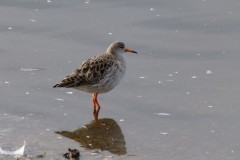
(129, 50)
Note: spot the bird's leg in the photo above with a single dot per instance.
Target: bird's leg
(96, 104)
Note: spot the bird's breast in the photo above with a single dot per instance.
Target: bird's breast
(113, 76)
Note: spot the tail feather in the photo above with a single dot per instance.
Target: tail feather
(64, 83)
(56, 85)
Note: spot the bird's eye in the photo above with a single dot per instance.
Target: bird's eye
(121, 47)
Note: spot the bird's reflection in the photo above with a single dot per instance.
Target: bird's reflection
(105, 134)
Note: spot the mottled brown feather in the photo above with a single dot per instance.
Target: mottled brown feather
(90, 72)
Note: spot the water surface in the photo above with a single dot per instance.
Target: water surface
(178, 100)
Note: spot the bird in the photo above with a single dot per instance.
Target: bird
(99, 74)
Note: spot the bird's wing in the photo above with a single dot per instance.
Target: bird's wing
(90, 72)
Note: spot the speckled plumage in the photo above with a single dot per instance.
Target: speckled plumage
(98, 74)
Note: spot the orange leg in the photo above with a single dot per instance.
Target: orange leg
(96, 106)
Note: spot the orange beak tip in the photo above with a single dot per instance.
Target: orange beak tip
(129, 50)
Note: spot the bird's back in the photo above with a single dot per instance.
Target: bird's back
(91, 72)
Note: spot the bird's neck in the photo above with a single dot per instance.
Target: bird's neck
(117, 55)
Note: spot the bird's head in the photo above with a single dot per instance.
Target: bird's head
(117, 47)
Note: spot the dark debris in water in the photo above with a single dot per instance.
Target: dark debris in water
(72, 154)
(41, 155)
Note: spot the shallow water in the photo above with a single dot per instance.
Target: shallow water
(178, 100)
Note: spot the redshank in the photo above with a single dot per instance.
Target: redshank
(99, 74)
